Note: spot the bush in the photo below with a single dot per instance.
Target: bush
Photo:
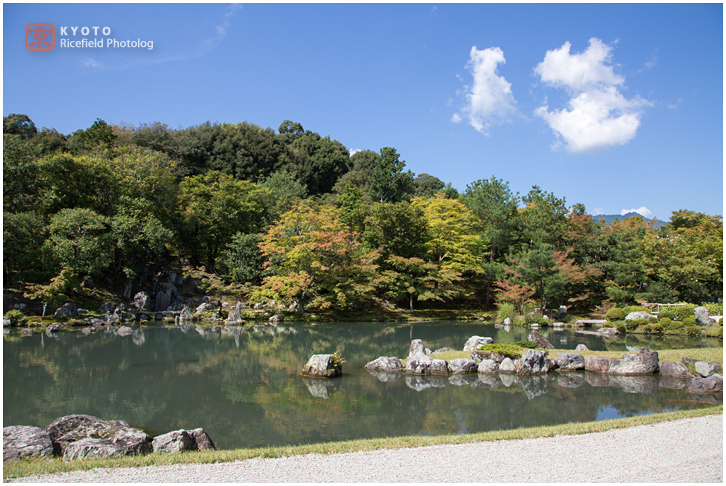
(615, 314)
(693, 331)
(532, 318)
(653, 320)
(505, 310)
(665, 323)
(667, 314)
(689, 321)
(634, 324)
(620, 326)
(511, 351)
(685, 311)
(526, 344)
(16, 317)
(678, 325)
(648, 328)
(657, 328)
(715, 309)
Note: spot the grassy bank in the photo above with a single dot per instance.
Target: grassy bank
(15, 469)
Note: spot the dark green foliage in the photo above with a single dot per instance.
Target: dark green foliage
(526, 344)
(20, 174)
(693, 331)
(21, 125)
(658, 328)
(23, 237)
(684, 311)
(395, 229)
(666, 323)
(98, 135)
(621, 327)
(427, 185)
(242, 260)
(388, 182)
(615, 314)
(79, 238)
(689, 321)
(511, 351)
(667, 314)
(16, 317)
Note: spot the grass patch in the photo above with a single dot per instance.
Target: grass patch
(14, 469)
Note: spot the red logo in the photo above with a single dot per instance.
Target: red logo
(40, 37)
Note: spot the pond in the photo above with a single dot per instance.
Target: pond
(242, 385)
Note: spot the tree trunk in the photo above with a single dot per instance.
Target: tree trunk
(410, 302)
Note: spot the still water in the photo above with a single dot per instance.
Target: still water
(241, 384)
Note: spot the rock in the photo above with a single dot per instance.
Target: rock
(67, 310)
(507, 321)
(488, 367)
(642, 384)
(643, 363)
(416, 347)
(385, 363)
(207, 307)
(480, 355)
(464, 379)
(21, 441)
(562, 310)
(186, 314)
(597, 364)
(421, 383)
(712, 384)
(142, 301)
(507, 366)
(276, 319)
(706, 369)
(463, 365)
(581, 347)
(322, 366)
(107, 307)
(553, 364)
(534, 362)
(427, 351)
(171, 442)
(570, 361)
(539, 340)
(638, 315)
(476, 342)
(101, 438)
(534, 386)
(55, 327)
(701, 315)
(235, 315)
(7, 322)
(124, 331)
(420, 364)
(674, 369)
(570, 380)
(442, 350)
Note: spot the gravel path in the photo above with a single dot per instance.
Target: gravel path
(689, 450)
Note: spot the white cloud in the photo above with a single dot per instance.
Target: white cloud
(597, 115)
(489, 100)
(353, 151)
(642, 210)
(597, 211)
(91, 62)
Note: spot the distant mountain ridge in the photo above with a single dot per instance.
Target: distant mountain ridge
(610, 217)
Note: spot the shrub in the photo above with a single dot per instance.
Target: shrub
(715, 309)
(689, 321)
(678, 325)
(337, 359)
(505, 310)
(648, 328)
(16, 317)
(526, 344)
(653, 320)
(667, 314)
(511, 351)
(620, 326)
(665, 323)
(657, 328)
(634, 324)
(532, 318)
(615, 314)
(693, 331)
(685, 311)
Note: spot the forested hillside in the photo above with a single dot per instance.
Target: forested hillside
(291, 216)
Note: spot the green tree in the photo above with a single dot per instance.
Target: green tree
(538, 269)
(98, 135)
(79, 238)
(388, 182)
(215, 207)
(23, 236)
(242, 261)
(398, 229)
(427, 185)
(60, 287)
(20, 174)
(19, 124)
(285, 191)
(417, 279)
(543, 218)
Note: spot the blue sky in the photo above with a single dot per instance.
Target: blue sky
(615, 106)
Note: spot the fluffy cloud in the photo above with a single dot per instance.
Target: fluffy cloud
(489, 99)
(642, 210)
(597, 115)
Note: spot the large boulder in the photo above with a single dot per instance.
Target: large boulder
(701, 315)
(416, 347)
(463, 365)
(171, 442)
(420, 364)
(21, 441)
(115, 437)
(235, 315)
(539, 340)
(507, 366)
(206, 307)
(570, 361)
(142, 301)
(674, 369)
(597, 364)
(706, 369)
(638, 315)
(67, 310)
(476, 342)
(534, 362)
(276, 319)
(488, 367)
(322, 366)
(643, 363)
(478, 356)
(186, 314)
(385, 363)
(712, 384)
(581, 347)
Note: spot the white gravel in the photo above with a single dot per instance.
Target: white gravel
(688, 451)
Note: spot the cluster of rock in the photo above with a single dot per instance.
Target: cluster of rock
(322, 366)
(82, 436)
(535, 362)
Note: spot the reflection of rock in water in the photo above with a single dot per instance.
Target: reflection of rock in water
(673, 383)
(597, 379)
(386, 376)
(138, 337)
(185, 326)
(422, 382)
(507, 379)
(320, 388)
(235, 332)
(645, 384)
(469, 379)
(570, 379)
(534, 385)
(713, 399)
(490, 381)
